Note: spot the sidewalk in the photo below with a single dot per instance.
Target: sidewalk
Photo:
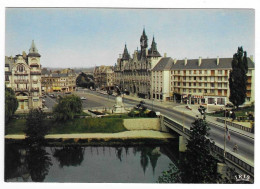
(194, 112)
(140, 134)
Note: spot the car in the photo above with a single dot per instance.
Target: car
(229, 105)
(68, 92)
(83, 98)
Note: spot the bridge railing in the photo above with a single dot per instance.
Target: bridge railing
(216, 148)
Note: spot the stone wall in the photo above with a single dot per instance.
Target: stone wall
(142, 124)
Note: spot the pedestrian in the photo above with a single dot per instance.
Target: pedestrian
(235, 148)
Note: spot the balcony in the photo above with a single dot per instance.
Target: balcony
(20, 73)
(20, 90)
(21, 81)
(209, 94)
(35, 72)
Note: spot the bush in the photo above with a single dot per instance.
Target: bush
(151, 114)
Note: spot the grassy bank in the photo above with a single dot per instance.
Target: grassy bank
(89, 125)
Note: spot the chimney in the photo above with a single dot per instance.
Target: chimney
(165, 55)
(185, 61)
(174, 61)
(217, 60)
(252, 58)
(199, 60)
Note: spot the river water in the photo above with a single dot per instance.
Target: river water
(135, 164)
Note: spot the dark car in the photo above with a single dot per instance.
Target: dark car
(229, 105)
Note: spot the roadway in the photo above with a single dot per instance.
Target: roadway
(245, 144)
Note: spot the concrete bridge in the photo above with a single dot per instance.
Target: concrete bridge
(241, 164)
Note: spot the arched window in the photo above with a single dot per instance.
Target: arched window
(20, 68)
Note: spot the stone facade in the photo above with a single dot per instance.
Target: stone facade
(198, 81)
(23, 75)
(104, 77)
(133, 74)
(58, 81)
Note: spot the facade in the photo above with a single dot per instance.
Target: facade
(62, 81)
(198, 81)
(133, 74)
(23, 75)
(104, 77)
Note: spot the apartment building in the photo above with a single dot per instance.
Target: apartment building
(62, 81)
(23, 75)
(104, 77)
(197, 81)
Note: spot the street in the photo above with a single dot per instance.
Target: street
(98, 100)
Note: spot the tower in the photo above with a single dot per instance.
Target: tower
(143, 44)
(125, 55)
(33, 56)
(153, 52)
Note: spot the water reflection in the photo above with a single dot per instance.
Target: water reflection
(69, 156)
(86, 164)
(32, 162)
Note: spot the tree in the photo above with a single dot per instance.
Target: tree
(35, 128)
(238, 78)
(84, 80)
(67, 107)
(11, 103)
(197, 164)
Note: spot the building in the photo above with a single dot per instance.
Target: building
(133, 74)
(58, 81)
(104, 77)
(23, 75)
(197, 81)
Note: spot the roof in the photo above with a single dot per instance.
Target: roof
(193, 64)
(163, 64)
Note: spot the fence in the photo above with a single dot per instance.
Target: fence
(235, 125)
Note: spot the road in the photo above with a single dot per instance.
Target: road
(245, 144)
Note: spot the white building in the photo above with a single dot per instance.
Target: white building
(23, 75)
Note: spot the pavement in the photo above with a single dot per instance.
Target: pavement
(138, 134)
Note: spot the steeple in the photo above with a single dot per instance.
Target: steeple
(33, 51)
(143, 40)
(126, 55)
(153, 52)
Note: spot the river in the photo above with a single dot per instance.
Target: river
(106, 164)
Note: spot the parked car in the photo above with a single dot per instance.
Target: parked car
(83, 98)
(68, 92)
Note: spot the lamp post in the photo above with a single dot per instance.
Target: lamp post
(225, 135)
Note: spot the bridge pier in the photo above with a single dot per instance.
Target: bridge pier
(222, 169)
(163, 127)
(183, 143)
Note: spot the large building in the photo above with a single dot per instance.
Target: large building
(133, 74)
(23, 75)
(198, 81)
(104, 77)
(58, 81)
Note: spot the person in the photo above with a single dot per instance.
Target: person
(235, 148)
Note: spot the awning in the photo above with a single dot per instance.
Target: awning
(56, 88)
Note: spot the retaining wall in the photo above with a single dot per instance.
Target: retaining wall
(142, 124)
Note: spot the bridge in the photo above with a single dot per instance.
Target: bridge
(241, 165)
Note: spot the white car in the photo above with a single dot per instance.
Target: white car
(83, 98)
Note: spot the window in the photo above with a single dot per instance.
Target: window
(190, 71)
(205, 78)
(205, 84)
(226, 79)
(184, 84)
(212, 85)
(206, 71)
(205, 90)
(219, 79)
(194, 90)
(220, 72)
(194, 71)
(184, 90)
(225, 85)
(219, 85)
(200, 84)
(200, 91)
(194, 84)
(200, 71)
(190, 78)
(194, 78)
(184, 78)
(212, 91)
(190, 84)
(200, 78)
(189, 90)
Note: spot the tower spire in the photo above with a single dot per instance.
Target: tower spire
(126, 55)
(33, 51)
(153, 52)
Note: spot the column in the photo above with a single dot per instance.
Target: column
(182, 143)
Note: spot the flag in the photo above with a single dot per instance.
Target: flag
(228, 134)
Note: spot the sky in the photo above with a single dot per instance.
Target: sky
(86, 37)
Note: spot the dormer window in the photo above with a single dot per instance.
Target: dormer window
(20, 68)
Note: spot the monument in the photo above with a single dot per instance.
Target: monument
(119, 106)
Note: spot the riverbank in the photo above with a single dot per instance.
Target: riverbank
(140, 134)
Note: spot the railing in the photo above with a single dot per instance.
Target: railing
(20, 89)
(235, 125)
(21, 81)
(21, 73)
(216, 148)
